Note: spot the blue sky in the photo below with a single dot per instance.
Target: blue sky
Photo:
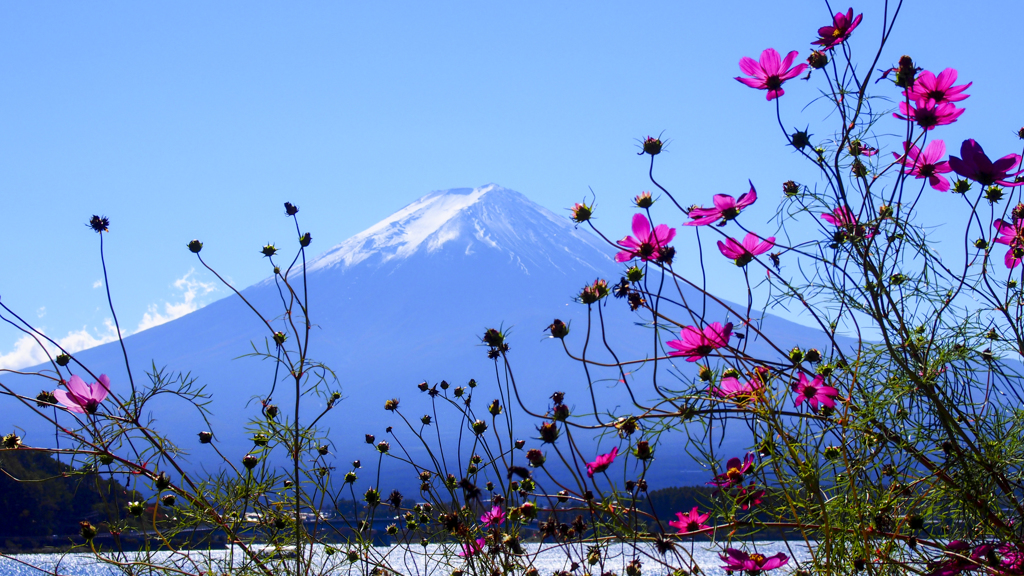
(199, 120)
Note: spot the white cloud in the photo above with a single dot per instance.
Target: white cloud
(97, 284)
(41, 312)
(191, 289)
(27, 352)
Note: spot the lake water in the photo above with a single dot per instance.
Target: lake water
(411, 561)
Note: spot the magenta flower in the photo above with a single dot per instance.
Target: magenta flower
(770, 72)
(844, 218)
(730, 387)
(493, 517)
(691, 522)
(734, 472)
(743, 253)
(81, 397)
(814, 392)
(749, 496)
(645, 243)
(976, 166)
(726, 208)
(602, 462)
(929, 113)
(1013, 236)
(839, 31)
(473, 548)
(928, 86)
(737, 560)
(697, 344)
(926, 164)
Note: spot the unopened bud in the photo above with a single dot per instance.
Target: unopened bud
(195, 246)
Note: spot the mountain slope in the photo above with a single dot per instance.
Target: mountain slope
(407, 301)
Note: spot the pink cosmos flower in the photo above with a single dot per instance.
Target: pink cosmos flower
(749, 497)
(745, 252)
(493, 517)
(602, 462)
(81, 397)
(730, 387)
(839, 31)
(929, 113)
(976, 166)
(813, 392)
(645, 243)
(726, 208)
(941, 89)
(844, 218)
(734, 471)
(1013, 236)
(691, 522)
(473, 548)
(697, 344)
(737, 560)
(770, 72)
(926, 164)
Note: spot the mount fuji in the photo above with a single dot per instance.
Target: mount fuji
(406, 301)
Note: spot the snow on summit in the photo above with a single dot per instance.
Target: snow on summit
(488, 217)
(400, 234)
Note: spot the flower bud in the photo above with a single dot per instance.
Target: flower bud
(168, 499)
(268, 250)
(106, 459)
(259, 439)
(280, 338)
(643, 200)
(961, 186)
(459, 391)
(136, 508)
(195, 246)
(796, 355)
(905, 72)
(12, 441)
(423, 386)
(353, 556)
(350, 478)
(859, 169)
(205, 437)
(652, 146)
(626, 426)
(833, 453)
(99, 223)
(993, 194)
(45, 399)
(290, 209)
(800, 139)
(813, 356)
(790, 188)
(519, 444)
(535, 457)
(493, 338)
(322, 450)
(87, 530)
(494, 408)
(372, 496)
(981, 244)
(163, 481)
(370, 438)
(548, 432)
(472, 383)
(817, 59)
(563, 496)
(558, 329)
(643, 450)
(391, 405)
(250, 461)
(479, 427)
(271, 411)
(305, 239)
(560, 412)
(383, 447)
(425, 420)
(885, 211)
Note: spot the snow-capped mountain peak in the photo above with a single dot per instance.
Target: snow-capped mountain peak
(469, 220)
